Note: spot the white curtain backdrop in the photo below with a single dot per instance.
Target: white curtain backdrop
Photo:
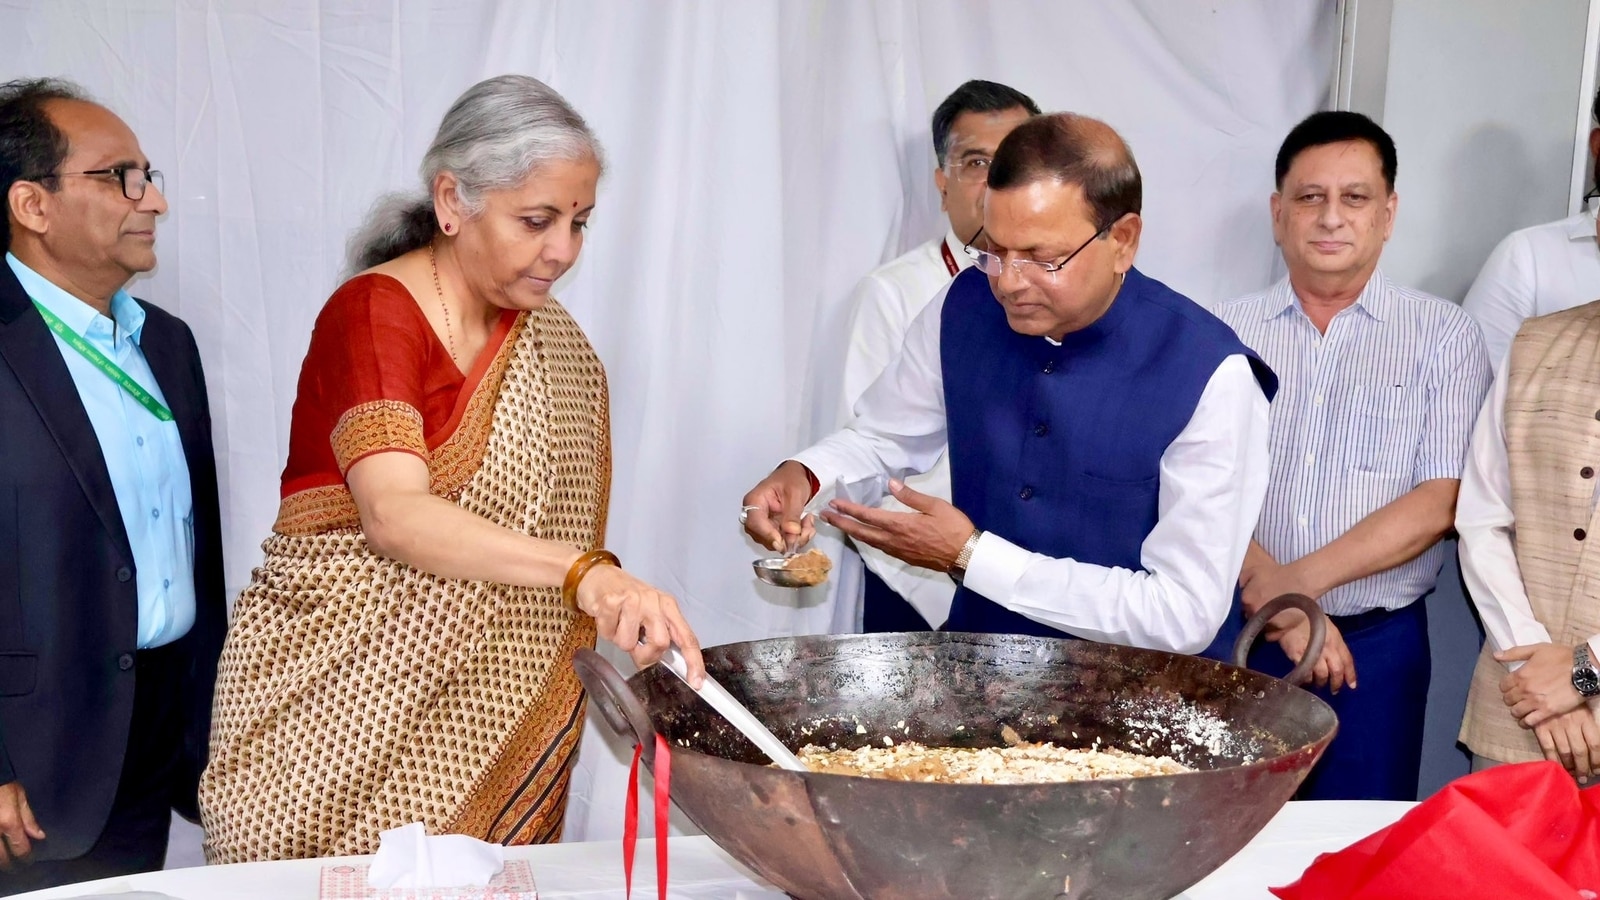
(762, 157)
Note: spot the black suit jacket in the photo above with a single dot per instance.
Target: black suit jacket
(69, 606)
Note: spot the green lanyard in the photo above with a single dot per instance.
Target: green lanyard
(110, 369)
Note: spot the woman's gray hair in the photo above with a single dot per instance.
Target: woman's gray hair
(494, 136)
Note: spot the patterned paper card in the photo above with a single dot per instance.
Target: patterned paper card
(349, 882)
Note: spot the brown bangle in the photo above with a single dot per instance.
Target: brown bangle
(580, 568)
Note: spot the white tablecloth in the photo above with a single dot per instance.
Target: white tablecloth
(701, 871)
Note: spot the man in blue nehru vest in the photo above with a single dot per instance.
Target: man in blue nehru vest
(1107, 436)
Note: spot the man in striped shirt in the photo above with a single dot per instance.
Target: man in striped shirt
(1379, 388)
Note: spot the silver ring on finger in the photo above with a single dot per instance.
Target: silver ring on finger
(744, 513)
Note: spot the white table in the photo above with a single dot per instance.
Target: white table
(701, 871)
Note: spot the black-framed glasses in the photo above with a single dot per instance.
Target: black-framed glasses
(992, 264)
(133, 180)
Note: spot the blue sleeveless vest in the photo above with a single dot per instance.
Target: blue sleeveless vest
(1058, 448)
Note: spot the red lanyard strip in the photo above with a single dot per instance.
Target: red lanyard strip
(630, 820)
(949, 258)
(663, 772)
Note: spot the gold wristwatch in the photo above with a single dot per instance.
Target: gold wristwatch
(958, 571)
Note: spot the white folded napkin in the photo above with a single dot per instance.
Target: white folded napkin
(409, 858)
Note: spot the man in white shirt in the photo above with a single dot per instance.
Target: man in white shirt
(1380, 387)
(1106, 435)
(967, 127)
(1538, 271)
(1526, 512)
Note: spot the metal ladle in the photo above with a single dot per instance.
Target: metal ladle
(622, 714)
(774, 569)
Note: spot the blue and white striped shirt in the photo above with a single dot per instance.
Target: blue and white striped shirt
(1382, 402)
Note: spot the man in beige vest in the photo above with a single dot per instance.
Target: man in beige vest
(1525, 515)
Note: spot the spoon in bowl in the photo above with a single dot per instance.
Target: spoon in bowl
(776, 570)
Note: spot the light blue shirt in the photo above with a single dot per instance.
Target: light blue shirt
(1382, 402)
(143, 455)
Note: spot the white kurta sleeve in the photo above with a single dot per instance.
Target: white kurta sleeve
(878, 322)
(1213, 480)
(1488, 531)
(883, 306)
(899, 425)
(1501, 297)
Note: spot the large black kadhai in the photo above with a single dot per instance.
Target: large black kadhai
(1249, 738)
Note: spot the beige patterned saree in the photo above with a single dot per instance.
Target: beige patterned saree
(357, 694)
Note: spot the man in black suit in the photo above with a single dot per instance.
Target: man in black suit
(111, 601)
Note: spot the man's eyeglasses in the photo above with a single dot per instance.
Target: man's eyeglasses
(972, 170)
(992, 264)
(134, 181)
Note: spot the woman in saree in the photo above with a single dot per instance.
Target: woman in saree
(404, 652)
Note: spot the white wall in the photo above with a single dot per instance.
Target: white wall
(1481, 103)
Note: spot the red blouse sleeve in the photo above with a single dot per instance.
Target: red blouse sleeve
(362, 385)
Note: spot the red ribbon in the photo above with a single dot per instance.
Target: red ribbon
(630, 821)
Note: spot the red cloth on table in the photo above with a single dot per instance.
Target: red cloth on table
(1523, 831)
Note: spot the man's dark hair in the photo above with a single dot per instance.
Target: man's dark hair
(974, 96)
(1595, 109)
(31, 146)
(1072, 149)
(1336, 127)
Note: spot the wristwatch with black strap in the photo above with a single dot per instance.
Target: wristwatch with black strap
(1585, 677)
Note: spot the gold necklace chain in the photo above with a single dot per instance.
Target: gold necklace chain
(449, 333)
